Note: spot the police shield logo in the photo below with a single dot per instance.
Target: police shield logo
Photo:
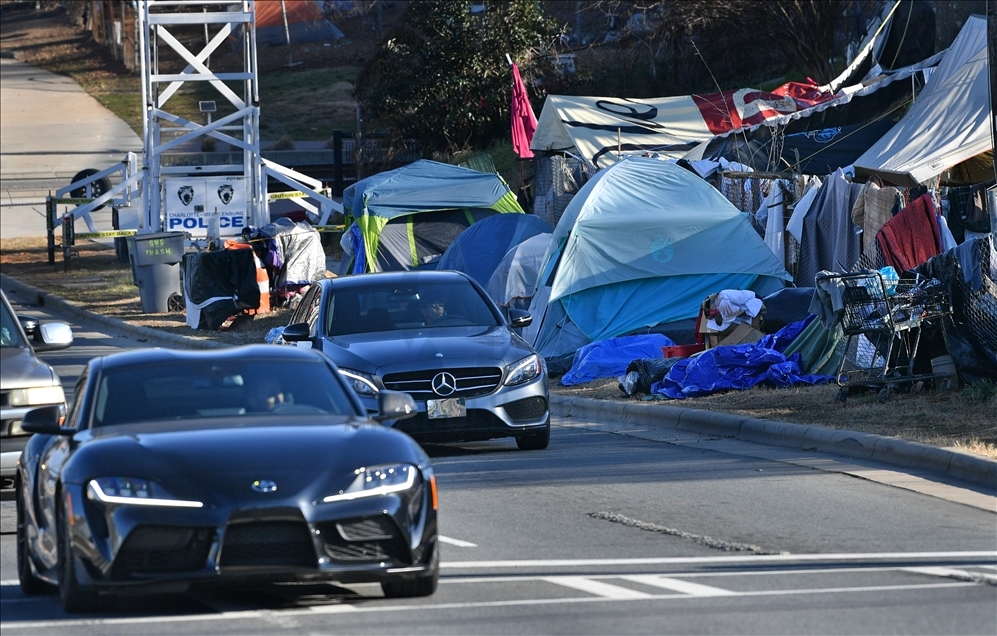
(186, 194)
(225, 193)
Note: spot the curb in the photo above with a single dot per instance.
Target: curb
(888, 450)
(34, 296)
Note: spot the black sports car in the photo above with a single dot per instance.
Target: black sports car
(252, 464)
(437, 336)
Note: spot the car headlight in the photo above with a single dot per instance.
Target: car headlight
(36, 395)
(132, 491)
(524, 370)
(380, 480)
(362, 383)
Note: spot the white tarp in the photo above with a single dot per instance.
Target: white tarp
(949, 122)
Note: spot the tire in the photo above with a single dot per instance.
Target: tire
(412, 588)
(75, 597)
(98, 187)
(31, 585)
(536, 441)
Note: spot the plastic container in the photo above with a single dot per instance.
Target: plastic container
(944, 366)
(682, 351)
(155, 260)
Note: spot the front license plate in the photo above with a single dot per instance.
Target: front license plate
(450, 407)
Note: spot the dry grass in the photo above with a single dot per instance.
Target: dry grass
(101, 284)
(964, 419)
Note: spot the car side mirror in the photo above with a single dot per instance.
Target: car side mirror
(394, 405)
(298, 332)
(45, 420)
(50, 336)
(29, 324)
(519, 318)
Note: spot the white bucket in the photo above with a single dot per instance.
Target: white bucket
(944, 366)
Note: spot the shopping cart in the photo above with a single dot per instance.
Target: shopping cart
(884, 323)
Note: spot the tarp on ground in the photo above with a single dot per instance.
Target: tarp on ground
(478, 251)
(740, 367)
(948, 124)
(427, 204)
(305, 22)
(642, 244)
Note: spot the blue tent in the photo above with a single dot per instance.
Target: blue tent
(478, 251)
(640, 245)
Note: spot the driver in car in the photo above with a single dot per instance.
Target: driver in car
(265, 394)
(433, 309)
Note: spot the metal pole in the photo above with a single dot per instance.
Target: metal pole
(50, 227)
(287, 33)
(337, 165)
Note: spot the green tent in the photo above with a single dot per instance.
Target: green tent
(407, 217)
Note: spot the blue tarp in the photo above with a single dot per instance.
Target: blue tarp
(740, 367)
(609, 358)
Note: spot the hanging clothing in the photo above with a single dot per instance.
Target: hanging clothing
(911, 237)
(968, 210)
(874, 206)
(829, 240)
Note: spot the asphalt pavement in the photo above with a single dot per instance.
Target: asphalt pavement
(50, 129)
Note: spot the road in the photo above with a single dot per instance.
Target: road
(611, 531)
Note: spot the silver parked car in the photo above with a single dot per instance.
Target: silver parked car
(25, 381)
(437, 336)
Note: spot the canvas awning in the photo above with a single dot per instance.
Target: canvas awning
(948, 124)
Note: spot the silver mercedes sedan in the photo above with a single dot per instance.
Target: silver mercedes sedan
(437, 336)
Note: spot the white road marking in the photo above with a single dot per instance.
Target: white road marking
(748, 558)
(456, 542)
(332, 609)
(598, 588)
(954, 573)
(379, 608)
(675, 585)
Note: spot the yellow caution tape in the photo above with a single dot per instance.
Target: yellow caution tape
(112, 234)
(294, 194)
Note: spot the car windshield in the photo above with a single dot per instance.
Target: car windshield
(10, 335)
(179, 390)
(384, 307)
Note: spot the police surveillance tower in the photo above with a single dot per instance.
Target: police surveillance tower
(221, 195)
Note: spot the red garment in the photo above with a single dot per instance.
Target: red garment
(911, 237)
(524, 122)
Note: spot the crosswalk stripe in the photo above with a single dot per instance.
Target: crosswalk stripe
(685, 587)
(598, 588)
(457, 542)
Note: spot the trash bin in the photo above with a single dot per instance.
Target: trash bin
(155, 260)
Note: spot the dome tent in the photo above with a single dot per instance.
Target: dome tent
(407, 217)
(641, 245)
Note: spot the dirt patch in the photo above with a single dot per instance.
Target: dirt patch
(98, 282)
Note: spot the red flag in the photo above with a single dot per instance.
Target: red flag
(524, 122)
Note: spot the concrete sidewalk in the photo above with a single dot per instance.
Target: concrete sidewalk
(913, 456)
(50, 129)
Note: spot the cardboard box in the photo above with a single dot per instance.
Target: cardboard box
(741, 333)
(738, 333)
